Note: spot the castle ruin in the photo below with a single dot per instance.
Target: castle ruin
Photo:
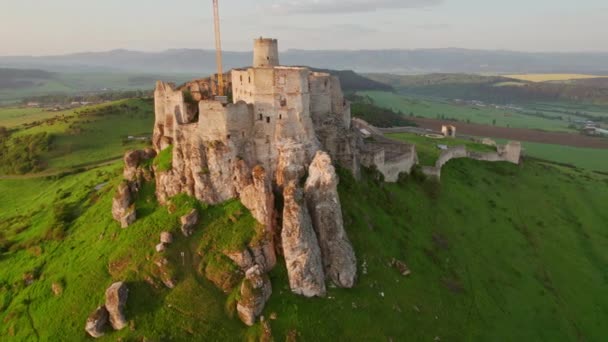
(273, 143)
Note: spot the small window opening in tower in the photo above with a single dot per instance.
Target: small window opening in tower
(241, 78)
(268, 119)
(280, 116)
(268, 58)
(283, 102)
(243, 134)
(261, 117)
(249, 79)
(228, 137)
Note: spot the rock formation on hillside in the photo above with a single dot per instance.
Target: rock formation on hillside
(116, 300)
(276, 142)
(324, 204)
(300, 245)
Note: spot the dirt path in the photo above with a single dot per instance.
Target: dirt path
(520, 134)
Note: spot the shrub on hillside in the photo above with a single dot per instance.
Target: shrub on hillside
(20, 155)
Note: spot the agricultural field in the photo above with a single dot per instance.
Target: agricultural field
(76, 138)
(444, 109)
(586, 158)
(497, 251)
(77, 83)
(551, 77)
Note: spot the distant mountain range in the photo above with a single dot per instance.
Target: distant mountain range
(450, 60)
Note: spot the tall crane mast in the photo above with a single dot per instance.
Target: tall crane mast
(218, 49)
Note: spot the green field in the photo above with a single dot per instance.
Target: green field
(586, 158)
(551, 77)
(13, 117)
(79, 83)
(444, 109)
(83, 136)
(498, 252)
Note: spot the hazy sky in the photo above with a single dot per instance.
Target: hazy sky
(60, 26)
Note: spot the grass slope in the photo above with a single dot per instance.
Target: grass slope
(498, 252)
(84, 136)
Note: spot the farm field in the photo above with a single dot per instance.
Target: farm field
(520, 134)
(78, 83)
(551, 77)
(443, 109)
(586, 158)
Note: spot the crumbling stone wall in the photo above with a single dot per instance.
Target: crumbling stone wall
(511, 152)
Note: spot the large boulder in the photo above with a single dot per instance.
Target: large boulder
(97, 322)
(116, 300)
(188, 222)
(321, 191)
(255, 292)
(300, 246)
(133, 161)
(123, 209)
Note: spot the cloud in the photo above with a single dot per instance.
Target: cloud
(346, 6)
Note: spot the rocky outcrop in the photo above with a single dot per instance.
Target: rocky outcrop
(255, 292)
(323, 202)
(165, 271)
(97, 322)
(189, 222)
(256, 194)
(116, 300)
(261, 253)
(300, 246)
(123, 209)
(133, 160)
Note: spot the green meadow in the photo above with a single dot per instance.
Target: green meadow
(497, 252)
(544, 118)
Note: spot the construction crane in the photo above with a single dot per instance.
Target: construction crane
(218, 49)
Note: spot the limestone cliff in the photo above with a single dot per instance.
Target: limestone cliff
(300, 246)
(274, 148)
(324, 204)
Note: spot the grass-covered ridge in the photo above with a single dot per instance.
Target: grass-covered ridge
(36, 140)
(497, 251)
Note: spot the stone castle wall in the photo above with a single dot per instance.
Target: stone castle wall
(511, 153)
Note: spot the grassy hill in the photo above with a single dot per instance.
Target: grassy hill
(76, 138)
(498, 252)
